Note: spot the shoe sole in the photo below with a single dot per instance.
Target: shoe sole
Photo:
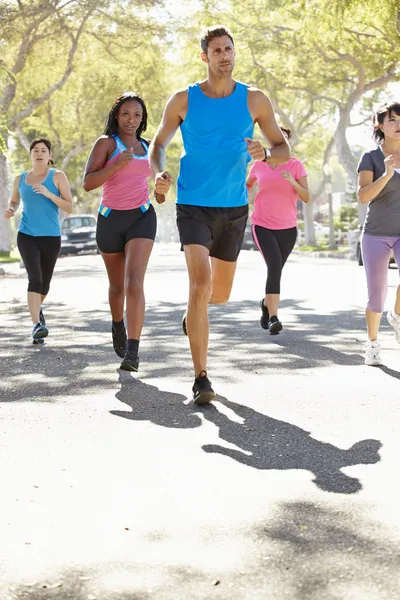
(373, 364)
(392, 323)
(38, 341)
(38, 335)
(184, 328)
(204, 398)
(129, 367)
(275, 328)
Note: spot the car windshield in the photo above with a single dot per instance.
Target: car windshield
(76, 222)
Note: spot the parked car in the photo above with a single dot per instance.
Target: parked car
(248, 240)
(78, 234)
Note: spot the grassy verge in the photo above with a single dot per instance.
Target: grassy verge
(323, 248)
(7, 257)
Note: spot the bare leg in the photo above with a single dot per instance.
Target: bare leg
(198, 264)
(271, 301)
(373, 321)
(223, 273)
(34, 301)
(115, 265)
(137, 253)
(397, 304)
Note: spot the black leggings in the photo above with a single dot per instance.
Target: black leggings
(39, 254)
(276, 246)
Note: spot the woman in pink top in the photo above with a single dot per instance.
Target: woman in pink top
(127, 224)
(274, 222)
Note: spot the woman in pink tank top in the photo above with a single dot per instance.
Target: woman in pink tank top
(274, 224)
(126, 225)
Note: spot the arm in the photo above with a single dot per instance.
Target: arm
(300, 185)
(262, 112)
(368, 189)
(174, 113)
(14, 201)
(250, 181)
(95, 172)
(64, 201)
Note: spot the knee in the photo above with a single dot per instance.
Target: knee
(116, 289)
(219, 298)
(35, 285)
(200, 290)
(133, 286)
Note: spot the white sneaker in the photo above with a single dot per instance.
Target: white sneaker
(394, 321)
(373, 354)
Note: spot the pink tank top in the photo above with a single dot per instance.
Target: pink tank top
(128, 188)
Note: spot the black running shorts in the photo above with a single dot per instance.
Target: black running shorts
(221, 230)
(119, 226)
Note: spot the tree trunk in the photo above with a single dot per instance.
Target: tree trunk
(343, 149)
(5, 237)
(309, 231)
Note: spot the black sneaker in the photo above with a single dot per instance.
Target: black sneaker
(184, 326)
(42, 320)
(130, 362)
(119, 341)
(274, 326)
(265, 315)
(202, 390)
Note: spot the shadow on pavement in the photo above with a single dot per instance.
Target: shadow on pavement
(148, 403)
(266, 443)
(302, 551)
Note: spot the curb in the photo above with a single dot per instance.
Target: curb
(11, 268)
(325, 254)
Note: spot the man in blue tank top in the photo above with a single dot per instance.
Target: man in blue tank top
(217, 118)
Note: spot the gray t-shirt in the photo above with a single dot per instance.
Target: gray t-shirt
(383, 214)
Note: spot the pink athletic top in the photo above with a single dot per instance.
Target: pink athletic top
(128, 188)
(275, 204)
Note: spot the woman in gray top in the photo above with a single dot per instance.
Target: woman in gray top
(379, 186)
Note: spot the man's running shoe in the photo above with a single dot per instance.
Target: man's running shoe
(39, 331)
(42, 320)
(184, 326)
(265, 315)
(373, 354)
(119, 341)
(130, 362)
(202, 390)
(394, 321)
(274, 325)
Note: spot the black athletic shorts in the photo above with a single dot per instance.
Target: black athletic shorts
(221, 230)
(116, 227)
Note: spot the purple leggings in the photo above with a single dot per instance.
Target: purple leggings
(376, 251)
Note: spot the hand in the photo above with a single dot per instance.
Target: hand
(390, 165)
(288, 176)
(255, 149)
(162, 183)
(41, 189)
(10, 212)
(124, 158)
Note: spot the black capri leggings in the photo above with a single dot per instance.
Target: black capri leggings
(276, 246)
(39, 254)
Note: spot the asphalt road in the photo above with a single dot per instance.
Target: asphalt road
(115, 486)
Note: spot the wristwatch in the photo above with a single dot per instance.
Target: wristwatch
(267, 154)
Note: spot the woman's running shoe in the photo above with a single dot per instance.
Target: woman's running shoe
(39, 331)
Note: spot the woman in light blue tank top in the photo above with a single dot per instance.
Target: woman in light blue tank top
(43, 191)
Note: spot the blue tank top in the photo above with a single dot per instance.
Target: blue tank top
(214, 161)
(39, 214)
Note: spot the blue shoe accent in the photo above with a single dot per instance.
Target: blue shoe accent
(39, 331)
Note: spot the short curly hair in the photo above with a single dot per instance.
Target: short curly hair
(379, 117)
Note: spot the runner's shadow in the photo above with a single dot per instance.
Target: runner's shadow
(388, 371)
(267, 443)
(148, 403)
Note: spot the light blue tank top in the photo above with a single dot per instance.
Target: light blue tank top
(39, 214)
(214, 162)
